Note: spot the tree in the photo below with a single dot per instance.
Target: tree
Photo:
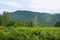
(35, 20)
(0, 19)
(57, 24)
(11, 23)
(5, 18)
(31, 24)
(17, 24)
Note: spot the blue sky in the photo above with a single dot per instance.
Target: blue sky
(50, 6)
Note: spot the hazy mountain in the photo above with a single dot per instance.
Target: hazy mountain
(43, 18)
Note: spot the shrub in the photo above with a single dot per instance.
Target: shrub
(57, 24)
(26, 33)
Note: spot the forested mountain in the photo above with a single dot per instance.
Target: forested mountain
(42, 18)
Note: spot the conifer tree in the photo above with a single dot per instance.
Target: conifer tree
(5, 18)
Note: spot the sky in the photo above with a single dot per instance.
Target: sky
(49, 6)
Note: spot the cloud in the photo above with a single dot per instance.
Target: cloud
(13, 4)
(34, 5)
(45, 4)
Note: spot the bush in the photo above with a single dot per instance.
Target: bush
(57, 24)
(26, 33)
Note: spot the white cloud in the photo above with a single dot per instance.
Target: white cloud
(45, 4)
(13, 4)
(35, 5)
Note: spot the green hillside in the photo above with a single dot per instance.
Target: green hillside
(42, 18)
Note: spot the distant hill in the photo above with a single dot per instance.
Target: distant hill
(43, 18)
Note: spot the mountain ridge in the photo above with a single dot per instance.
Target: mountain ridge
(43, 18)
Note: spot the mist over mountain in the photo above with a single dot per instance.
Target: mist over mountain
(42, 18)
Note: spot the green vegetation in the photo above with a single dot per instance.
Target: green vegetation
(28, 33)
(16, 30)
(57, 24)
(5, 20)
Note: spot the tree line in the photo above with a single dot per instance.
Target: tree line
(5, 20)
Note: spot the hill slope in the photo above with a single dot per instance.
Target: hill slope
(43, 18)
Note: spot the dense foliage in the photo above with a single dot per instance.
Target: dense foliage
(57, 24)
(28, 33)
